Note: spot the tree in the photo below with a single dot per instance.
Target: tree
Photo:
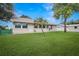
(76, 22)
(65, 10)
(40, 21)
(24, 16)
(6, 11)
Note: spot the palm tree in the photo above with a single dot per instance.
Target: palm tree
(6, 11)
(65, 10)
(40, 21)
(25, 16)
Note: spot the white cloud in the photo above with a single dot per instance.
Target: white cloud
(52, 20)
(48, 7)
(50, 17)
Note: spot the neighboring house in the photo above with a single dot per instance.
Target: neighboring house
(70, 27)
(27, 25)
(73, 27)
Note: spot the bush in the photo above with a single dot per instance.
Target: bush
(2, 27)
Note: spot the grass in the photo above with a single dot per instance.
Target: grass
(36, 44)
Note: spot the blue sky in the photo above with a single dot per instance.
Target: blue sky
(34, 10)
(40, 10)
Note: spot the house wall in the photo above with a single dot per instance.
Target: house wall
(41, 30)
(30, 26)
(30, 29)
(70, 28)
(46, 29)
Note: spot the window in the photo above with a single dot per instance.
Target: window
(17, 26)
(43, 26)
(40, 26)
(35, 26)
(75, 27)
(25, 26)
(47, 26)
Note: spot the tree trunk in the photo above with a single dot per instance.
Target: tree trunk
(42, 30)
(65, 30)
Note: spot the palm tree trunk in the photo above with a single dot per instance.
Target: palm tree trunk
(42, 30)
(65, 30)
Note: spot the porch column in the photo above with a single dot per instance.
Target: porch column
(37, 26)
(21, 26)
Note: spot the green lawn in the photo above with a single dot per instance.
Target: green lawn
(52, 43)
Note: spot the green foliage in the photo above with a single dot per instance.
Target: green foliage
(24, 16)
(40, 20)
(6, 32)
(64, 11)
(2, 27)
(6, 11)
(73, 22)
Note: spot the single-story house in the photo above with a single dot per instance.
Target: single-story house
(70, 27)
(73, 27)
(27, 25)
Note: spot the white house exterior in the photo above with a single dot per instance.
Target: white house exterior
(26, 25)
(71, 28)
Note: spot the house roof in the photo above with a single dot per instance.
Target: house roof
(22, 20)
(26, 20)
(70, 25)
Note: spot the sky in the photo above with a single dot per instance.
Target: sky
(44, 10)
(35, 10)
